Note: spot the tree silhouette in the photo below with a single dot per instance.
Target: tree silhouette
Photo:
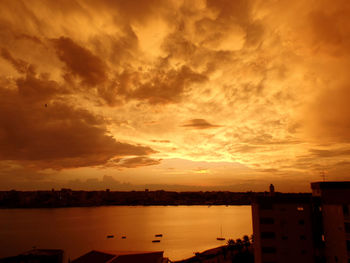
(239, 244)
(231, 243)
(246, 241)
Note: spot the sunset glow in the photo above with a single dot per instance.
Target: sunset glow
(174, 95)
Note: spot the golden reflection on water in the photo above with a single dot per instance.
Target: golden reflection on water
(185, 229)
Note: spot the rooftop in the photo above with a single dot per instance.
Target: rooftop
(43, 252)
(102, 256)
(331, 185)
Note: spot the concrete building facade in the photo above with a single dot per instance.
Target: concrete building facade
(334, 207)
(303, 228)
(279, 224)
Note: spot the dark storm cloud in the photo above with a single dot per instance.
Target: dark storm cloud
(81, 62)
(39, 89)
(163, 87)
(56, 135)
(138, 11)
(20, 65)
(238, 11)
(199, 124)
(32, 86)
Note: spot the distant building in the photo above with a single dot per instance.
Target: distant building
(36, 256)
(121, 257)
(303, 228)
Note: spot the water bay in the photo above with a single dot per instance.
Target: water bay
(77, 230)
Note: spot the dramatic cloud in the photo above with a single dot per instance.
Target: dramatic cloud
(57, 136)
(39, 129)
(119, 85)
(81, 62)
(199, 124)
(163, 87)
(135, 162)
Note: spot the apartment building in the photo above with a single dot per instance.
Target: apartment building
(301, 227)
(333, 202)
(282, 229)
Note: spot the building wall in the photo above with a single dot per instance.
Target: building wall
(335, 201)
(256, 233)
(282, 233)
(334, 233)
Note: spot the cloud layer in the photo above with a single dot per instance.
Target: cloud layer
(125, 86)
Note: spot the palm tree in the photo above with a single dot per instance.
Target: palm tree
(239, 244)
(231, 243)
(246, 241)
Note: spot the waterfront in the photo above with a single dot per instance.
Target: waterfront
(185, 229)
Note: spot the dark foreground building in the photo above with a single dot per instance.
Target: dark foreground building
(36, 256)
(96, 256)
(303, 228)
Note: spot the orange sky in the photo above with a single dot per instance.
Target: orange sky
(180, 95)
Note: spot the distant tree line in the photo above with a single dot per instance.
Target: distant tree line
(70, 198)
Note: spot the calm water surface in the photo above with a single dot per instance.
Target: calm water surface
(185, 229)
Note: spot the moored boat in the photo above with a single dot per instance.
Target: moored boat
(220, 238)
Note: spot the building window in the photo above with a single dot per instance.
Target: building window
(347, 227)
(267, 220)
(266, 206)
(268, 250)
(283, 222)
(268, 235)
(345, 210)
(348, 245)
(301, 222)
(300, 208)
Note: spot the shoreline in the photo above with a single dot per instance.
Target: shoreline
(69, 198)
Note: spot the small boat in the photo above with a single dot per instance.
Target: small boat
(220, 238)
(123, 237)
(110, 236)
(158, 235)
(156, 241)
